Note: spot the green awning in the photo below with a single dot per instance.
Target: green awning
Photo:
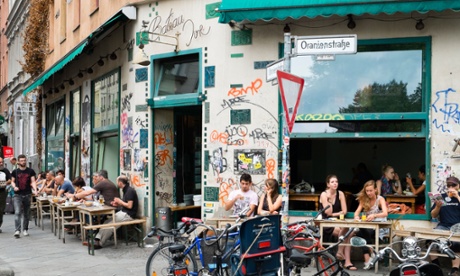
(126, 13)
(254, 10)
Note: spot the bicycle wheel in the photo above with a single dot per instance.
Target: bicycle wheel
(160, 261)
(325, 260)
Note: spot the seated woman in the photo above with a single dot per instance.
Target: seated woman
(270, 202)
(389, 182)
(338, 206)
(419, 191)
(375, 208)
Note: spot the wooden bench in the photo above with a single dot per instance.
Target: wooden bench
(114, 225)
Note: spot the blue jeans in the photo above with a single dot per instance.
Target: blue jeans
(21, 209)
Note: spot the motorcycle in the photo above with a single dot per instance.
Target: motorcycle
(412, 261)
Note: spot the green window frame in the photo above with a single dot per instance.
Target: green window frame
(55, 129)
(106, 102)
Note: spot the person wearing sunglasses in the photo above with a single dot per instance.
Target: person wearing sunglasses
(448, 214)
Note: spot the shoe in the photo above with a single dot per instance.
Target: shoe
(454, 273)
(16, 234)
(85, 243)
(351, 267)
(25, 233)
(367, 266)
(97, 246)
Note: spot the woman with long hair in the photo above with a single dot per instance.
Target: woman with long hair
(336, 201)
(270, 201)
(375, 208)
(389, 182)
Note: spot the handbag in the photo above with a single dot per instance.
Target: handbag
(9, 208)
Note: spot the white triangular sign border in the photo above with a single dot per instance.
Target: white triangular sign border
(290, 80)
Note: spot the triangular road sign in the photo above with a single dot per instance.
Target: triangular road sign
(291, 87)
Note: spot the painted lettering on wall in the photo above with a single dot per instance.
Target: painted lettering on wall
(448, 109)
(253, 89)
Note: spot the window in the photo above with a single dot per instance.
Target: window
(55, 114)
(106, 101)
(177, 79)
(75, 154)
(371, 108)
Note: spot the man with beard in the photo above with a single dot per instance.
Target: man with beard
(5, 180)
(23, 183)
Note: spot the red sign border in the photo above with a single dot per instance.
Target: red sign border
(285, 75)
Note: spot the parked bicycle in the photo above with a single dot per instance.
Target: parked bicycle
(326, 262)
(161, 259)
(412, 260)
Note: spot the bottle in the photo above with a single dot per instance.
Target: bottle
(312, 190)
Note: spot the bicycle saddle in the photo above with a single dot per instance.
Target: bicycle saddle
(175, 248)
(299, 258)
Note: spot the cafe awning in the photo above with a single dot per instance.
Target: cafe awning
(254, 10)
(126, 13)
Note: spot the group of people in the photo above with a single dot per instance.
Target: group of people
(24, 182)
(371, 200)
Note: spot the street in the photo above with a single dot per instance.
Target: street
(42, 253)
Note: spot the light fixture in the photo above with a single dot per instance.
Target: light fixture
(100, 62)
(71, 82)
(287, 29)
(44, 96)
(50, 91)
(420, 26)
(141, 57)
(113, 56)
(90, 70)
(56, 90)
(62, 86)
(80, 74)
(351, 23)
(232, 23)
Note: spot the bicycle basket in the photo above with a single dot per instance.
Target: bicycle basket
(209, 251)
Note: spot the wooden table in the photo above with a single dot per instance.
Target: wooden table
(306, 197)
(93, 211)
(402, 199)
(221, 222)
(66, 219)
(349, 223)
(43, 203)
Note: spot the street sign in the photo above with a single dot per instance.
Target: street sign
(326, 45)
(291, 87)
(8, 152)
(272, 68)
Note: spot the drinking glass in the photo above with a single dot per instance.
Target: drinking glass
(101, 200)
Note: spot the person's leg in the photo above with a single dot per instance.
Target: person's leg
(26, 205)
(17, 212)
(107, 233)
(3, 195)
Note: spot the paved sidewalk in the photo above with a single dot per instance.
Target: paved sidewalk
(42, 253)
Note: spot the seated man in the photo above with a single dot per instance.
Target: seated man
(61, 186)
(127, 210)
(448, 214)
(48, 185)
(242, 198)
(102, 185)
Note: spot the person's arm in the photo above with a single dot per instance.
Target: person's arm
(119, 202)
(33, 183)
(358, 211)
(261, 203)
(84, 193)
(13, 184)
(397, 189)
(436, 209)
(383, 207)
(379, 187)
(324, 200)
(277, 205)
(417, 191)
(343, 203)
(252, 208)
(231, 201)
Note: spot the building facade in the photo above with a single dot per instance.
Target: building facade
(175, 95)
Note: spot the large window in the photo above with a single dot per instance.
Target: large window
(55, 135)
(75, 157)
(106, 101)
(370, 108)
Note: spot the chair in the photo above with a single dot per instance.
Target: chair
(261, 247)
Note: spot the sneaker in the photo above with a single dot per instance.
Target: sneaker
(25, 233)
(16, 234)
(367, 266)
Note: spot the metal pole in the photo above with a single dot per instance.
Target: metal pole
(284, 151)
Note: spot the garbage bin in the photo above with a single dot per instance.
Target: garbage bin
(163, 218)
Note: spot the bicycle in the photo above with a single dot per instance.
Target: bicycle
(304, 237)
(326, 263)
(160, 259)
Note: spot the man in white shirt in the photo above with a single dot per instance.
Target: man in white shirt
(243, 197)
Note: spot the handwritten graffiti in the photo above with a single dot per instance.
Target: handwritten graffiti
(140, 122)
(253, 89)
(270, 166)
(162, 139)
(165, 196)
(218, 162)
(233, 136)
(163, 157)
(250, 161)
(126, 102)
(194, 33)
(449, 110)
(136, 181)
(319, 117)
(171, 23)
(225, 189)
(258, 134)
(238, 101)
(161, 181)
(127, 133)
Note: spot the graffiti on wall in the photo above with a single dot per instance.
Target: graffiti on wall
(250, 161)
(447, 109)
(442, 171)
(218, 162)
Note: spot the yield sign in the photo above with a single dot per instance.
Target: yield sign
(291, 87)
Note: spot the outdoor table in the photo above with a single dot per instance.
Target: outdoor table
(93, 211)
(351, 223)
(64, 219)
(43, 203)
(306, 197)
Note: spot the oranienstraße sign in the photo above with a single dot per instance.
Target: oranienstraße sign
(327, 44)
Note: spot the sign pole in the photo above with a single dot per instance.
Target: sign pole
(284, 151)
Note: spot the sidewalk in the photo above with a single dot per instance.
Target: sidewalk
(42, 253)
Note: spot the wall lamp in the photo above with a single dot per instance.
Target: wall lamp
(351, 23)
(419, 25)
(141, 57)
